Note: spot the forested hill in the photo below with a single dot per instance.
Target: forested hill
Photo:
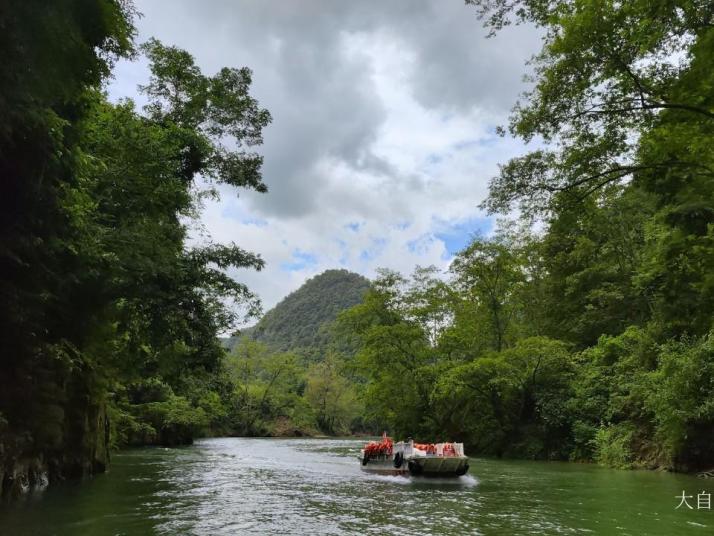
(301, 319)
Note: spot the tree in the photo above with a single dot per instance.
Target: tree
(394, 355)
(51, 56)
(166, 302)
(428, 301)
(218, 116)
(592, 256)
(104, 295)
(607, 73)
(680, 398)
(511, 403)
(331, 395)
(477, 403)
(622, 95)
(268, 386)
(488, 275)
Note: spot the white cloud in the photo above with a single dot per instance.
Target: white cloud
(383, 137)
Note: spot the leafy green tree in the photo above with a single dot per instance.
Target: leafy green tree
(607, 71)
(51, 55)
(268, 391)
(331, 395)
(622, 95)
(102, 291)
(513, 402)
(621, 107)
(680, 398)
(427, 300)
(395, 356)
(610, 402)
(488, 274)
(592, 256)
(218, 116)
(478, 404)
(165, 302)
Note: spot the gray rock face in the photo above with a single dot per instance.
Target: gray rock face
(27, 468)
(25, 475)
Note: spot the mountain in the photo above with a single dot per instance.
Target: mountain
(300, 322)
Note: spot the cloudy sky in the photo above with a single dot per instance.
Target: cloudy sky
(383, 134)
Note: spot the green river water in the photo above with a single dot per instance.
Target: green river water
(315, 486)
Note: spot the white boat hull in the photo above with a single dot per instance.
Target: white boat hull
(428, 466)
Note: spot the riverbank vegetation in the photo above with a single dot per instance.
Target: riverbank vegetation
(110, 316)
(591, 339)
(280, 394)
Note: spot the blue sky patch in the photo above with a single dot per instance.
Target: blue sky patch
(301, 260)
(233, 212)
(467, 144)
(456, 236)
(344, 248)
(434, 159)
(354, 226)
(258, 222)
(420, 245)
(374, 250)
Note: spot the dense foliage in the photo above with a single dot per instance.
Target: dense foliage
(109, 318)
(591, 340)
(284, 394)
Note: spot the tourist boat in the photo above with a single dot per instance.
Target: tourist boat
(414, 459)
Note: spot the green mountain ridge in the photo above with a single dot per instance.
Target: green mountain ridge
(300, 322)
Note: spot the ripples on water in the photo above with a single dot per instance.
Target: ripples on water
(298, 486)
(263, 486)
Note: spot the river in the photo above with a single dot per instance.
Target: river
(315, 486)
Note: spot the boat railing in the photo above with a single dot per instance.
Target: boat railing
(407, 449)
